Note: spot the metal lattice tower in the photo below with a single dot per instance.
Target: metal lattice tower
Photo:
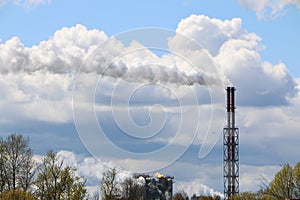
(231, 148)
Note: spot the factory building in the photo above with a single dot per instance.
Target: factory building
(158, 187)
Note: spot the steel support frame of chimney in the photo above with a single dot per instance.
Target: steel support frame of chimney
(231, 148)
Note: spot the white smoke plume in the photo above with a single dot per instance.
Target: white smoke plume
(196, 187)
(76, 47)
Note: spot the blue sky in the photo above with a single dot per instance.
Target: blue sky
(253, 45)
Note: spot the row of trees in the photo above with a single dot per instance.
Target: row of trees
(22, 178)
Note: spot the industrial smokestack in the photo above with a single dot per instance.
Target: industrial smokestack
(232, 89)
(228, 99)
(231, 148)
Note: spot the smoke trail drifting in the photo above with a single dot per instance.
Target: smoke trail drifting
(65, 54)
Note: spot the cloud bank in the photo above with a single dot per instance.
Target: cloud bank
(42, 75)
(37, 82)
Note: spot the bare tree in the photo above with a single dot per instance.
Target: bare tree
(131, 190)
(109, 185)
(16, 169)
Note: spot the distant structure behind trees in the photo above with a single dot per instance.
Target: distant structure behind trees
(138, 187)
(158, 187)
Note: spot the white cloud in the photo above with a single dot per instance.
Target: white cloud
(27, 4)
(256, 5)
(237, 57)
(268, 9)
(63, 53)
(210, 33)
(37, 82)
(36, 96)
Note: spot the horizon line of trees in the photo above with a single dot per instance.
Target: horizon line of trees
(23, 179)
